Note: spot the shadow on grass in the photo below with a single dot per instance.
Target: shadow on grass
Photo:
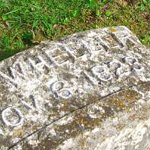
(6, 54)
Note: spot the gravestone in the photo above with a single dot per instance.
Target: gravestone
(89, 90)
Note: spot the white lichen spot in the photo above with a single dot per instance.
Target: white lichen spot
(68, 144)
(34, 143)
(64, 121)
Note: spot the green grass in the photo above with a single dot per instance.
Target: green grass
(24, 23)
(135, 16)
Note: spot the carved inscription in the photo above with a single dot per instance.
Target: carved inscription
(56, 78)
(57, 54)
(101, 73)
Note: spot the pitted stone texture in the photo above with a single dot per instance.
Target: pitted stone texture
(119, 121)
(51, 92)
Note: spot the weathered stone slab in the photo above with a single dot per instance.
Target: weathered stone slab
(55, 92)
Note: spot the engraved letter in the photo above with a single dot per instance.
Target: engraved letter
(12, 117)
(30, 105)
(14, 74)
(60, 91)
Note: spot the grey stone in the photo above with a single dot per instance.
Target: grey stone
(89, 90)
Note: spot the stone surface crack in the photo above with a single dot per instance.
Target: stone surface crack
(54, 121)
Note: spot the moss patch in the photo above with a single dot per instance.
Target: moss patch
(82, 121)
